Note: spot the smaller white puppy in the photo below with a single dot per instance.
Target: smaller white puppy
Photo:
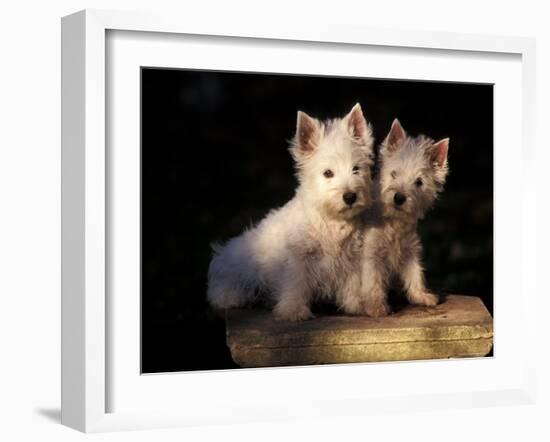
(412, 175)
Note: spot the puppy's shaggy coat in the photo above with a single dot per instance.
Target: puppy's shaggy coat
(412, 174)
(311, 247)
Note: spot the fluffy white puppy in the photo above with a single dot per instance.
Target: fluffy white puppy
(311, 247)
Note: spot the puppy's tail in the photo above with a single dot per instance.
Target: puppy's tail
(229, 277)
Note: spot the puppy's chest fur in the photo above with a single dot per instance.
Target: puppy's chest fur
(391, 245)
(332, 254)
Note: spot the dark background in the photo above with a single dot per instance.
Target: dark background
(215, 160)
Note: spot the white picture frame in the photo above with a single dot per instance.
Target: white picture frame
(87, 353)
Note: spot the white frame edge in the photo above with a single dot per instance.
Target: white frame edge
(83, 222)
(83, 194)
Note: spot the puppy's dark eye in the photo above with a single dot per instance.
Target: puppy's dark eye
(355, 169)
(328, 173)
(418, 182)
(393, 174)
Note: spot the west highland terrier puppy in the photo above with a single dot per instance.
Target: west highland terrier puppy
(412, 174)
(311, 247)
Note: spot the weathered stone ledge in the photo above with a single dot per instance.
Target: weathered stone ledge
(459, 327)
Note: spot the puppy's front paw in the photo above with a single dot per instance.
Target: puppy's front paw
(424, 298)
(377, 310)
(292, 313)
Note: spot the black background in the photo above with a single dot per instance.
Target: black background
(215, 160)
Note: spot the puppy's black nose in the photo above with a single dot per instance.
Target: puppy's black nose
(399, 198)
(350, 198)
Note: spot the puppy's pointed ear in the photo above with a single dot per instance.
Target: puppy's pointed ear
(438, 154)
(307, 135)
(357, 125)
(395, 137)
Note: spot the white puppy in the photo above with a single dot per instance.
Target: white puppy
(412, 175)
(311, 247)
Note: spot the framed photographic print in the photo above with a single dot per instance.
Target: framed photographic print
(261, 223)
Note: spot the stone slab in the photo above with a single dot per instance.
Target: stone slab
(459, 327)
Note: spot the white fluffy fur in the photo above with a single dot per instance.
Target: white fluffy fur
(415, 168)
(312, 246)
